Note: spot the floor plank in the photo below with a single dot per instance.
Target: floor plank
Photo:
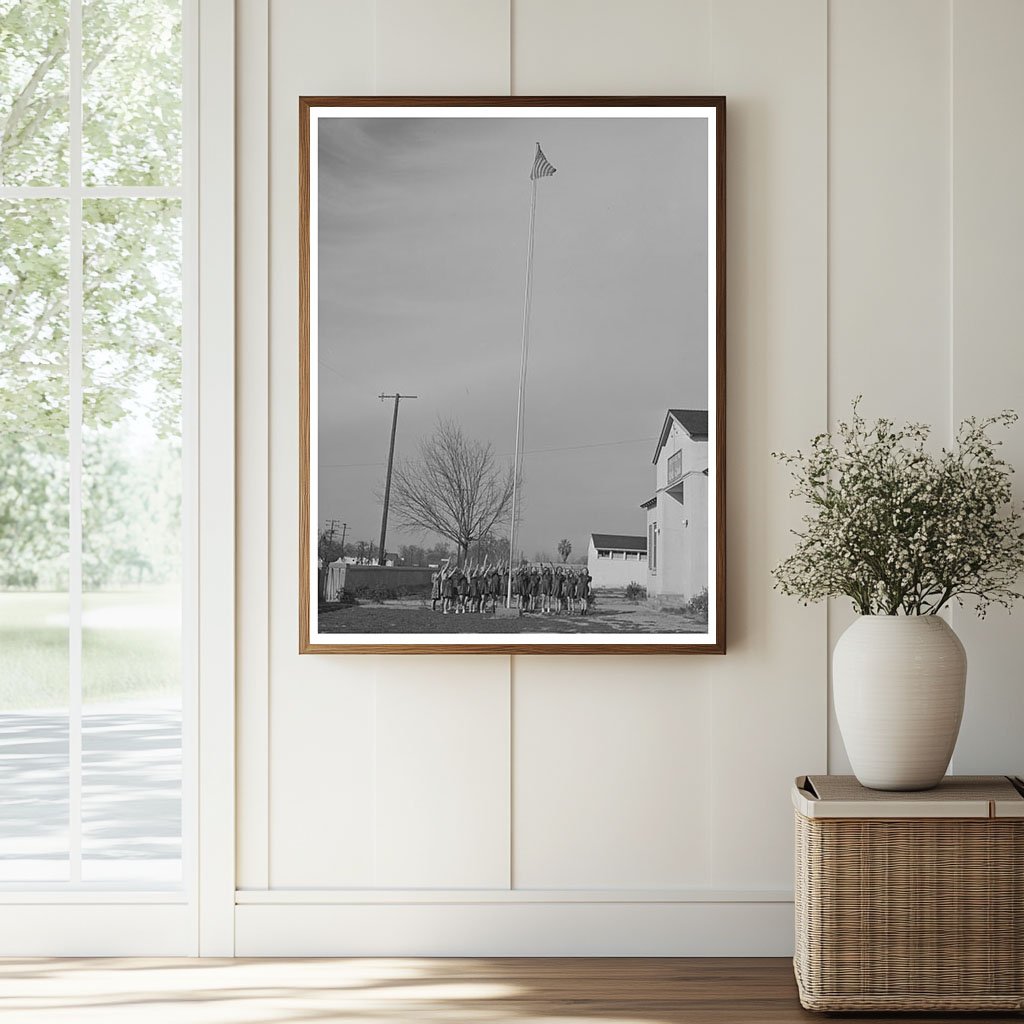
(383, 991)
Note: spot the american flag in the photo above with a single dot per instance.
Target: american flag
(542, 167)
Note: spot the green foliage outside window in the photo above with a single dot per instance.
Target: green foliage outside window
(131, 303)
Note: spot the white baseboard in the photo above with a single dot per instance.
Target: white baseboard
(97, 929)
(334, 897)
(519, 928)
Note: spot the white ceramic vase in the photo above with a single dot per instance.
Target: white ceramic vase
(898, 684)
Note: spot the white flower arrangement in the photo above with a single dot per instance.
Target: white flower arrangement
(900, 530)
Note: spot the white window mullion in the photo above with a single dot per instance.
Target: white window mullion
(189, 195)
(34, 192)
(96, 191)
(75, 298)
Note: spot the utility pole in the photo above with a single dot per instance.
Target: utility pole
(382, 554)
(344, 530)
(332, 525)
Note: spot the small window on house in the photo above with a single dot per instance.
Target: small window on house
(675, 466)
(630, 556)
(602, 554)
(643, 556)
(617, 555)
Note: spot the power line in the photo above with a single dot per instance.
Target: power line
(500, 455)
(578, 447)
(327, 366)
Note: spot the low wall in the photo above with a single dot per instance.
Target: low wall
(617, 572)
(353, 578)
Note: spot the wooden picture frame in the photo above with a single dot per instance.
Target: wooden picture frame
(324, 627)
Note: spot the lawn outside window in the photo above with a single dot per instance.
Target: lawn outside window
(96, 455)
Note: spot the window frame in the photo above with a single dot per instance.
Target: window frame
(75, 193)
(674, 466)
(75, 918)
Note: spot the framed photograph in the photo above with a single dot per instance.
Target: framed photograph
(512, 375)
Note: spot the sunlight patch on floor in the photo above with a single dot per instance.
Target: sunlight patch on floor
(147, 991)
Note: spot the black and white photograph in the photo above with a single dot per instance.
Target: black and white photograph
(512, 378)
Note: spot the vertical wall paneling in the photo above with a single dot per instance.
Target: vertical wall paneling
(442, 48)
(874, 221)
(321, 708)
(769, 692)
(442, 773)
(888, 332)
(323, 761)
(889, 222)
(988, 332)
(576, 47)
(611, 756)
(442, 750)
(252, 527)
(611, 785)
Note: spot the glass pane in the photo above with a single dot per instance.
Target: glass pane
(33, 540)
(131, 92)
(33, 92)
(131, 542)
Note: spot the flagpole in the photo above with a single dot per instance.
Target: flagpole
(522, 386)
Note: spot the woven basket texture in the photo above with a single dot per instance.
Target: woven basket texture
(912, 914)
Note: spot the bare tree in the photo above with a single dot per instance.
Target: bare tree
(565, 548)
(455, 487)
(491, 548)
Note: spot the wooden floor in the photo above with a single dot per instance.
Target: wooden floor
(380, 991)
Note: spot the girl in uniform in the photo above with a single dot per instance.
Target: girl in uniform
(585, 579)
(545, 591)
(448, 592)
(494, 591)
(577, 593)
(556, 590)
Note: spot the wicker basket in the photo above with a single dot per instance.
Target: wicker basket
(910, 901)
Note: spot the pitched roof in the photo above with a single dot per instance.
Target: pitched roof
(619, 542)
(693, 421)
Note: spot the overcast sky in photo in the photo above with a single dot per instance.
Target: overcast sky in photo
(423, 226)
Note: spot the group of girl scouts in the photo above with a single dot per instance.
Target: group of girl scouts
(550, 590)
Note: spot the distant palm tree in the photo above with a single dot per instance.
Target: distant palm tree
(565, 549)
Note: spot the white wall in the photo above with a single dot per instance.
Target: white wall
(538, 805)
(617, 568)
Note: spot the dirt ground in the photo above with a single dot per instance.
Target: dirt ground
(608, 614)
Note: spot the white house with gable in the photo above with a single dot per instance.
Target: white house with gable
(677, 514)
(616, 560)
